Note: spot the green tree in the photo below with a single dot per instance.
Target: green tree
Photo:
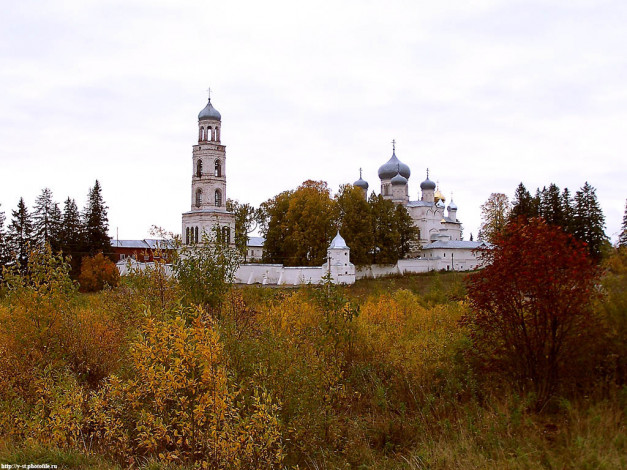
(589, 221)
(494, 215)
(206, 270)
(551, 207)
(622, 238)
(5, 255)
(245, 222)
(568, 211)
(523, 205)
(96, 222)
(310, 223)
(355, 223)
(272, 225)
(408, 233)
(44, 219)
(386, 237)
(21, 233)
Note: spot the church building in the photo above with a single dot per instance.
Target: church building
(440, 231)
(208, 214)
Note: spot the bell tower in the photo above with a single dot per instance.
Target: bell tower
(208, 190)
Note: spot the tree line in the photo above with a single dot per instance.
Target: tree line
(577, 214)
(299, 224)
(68, 230)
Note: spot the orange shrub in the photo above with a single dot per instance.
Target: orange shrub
(96, 272)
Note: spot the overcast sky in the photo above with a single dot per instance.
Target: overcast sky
(486, 94)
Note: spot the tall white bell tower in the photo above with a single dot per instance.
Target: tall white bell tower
(208, 212)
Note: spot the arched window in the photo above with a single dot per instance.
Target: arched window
(209, 133)
(218, 168)
(196, 235)
(199, 168)
(198, 197)
(218, 198)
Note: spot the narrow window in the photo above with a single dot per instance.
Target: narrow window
(187, 235)
(199, 168)
(218, 198)
(198, 197)
(196, 235)
(226, 234)
(209, 133)
(218, 168)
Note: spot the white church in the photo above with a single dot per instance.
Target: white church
(440, 234)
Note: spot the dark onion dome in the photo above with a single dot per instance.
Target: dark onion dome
(209, 112)
(392, 167)
(360, 183)
(399, 180)
(427, 184)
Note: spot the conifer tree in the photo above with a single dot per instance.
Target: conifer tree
(523, 205)
(71, 233)
(43, 223)
(622, 238)
(96, 222)
(551, 208)
(5, 255)
(589, 221)
(56, 220)
(21, 233)
(569, 211)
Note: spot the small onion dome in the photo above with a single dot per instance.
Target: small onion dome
(452, 206)
(438, 196)
(399, 180)
(338, 242)
(439, 204)
(360, 183)
(392, 167)
(209, 112)
(427, 184)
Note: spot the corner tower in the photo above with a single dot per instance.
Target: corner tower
(208, 212)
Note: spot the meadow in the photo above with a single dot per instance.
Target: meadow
(376, 375)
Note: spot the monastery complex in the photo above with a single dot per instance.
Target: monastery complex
(442, 247)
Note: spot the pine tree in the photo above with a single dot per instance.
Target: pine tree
(5, 254)
(21, 233)
(71, 234)
(471, 236)
(589, 221)
(568, 210)
(622, 238)
(96, 222)
(551, 208)
(43, 222)
(56, 221)
(523, 204)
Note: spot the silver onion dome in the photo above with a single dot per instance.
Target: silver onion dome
(209, 112)
(392, 167)
(399, 180)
